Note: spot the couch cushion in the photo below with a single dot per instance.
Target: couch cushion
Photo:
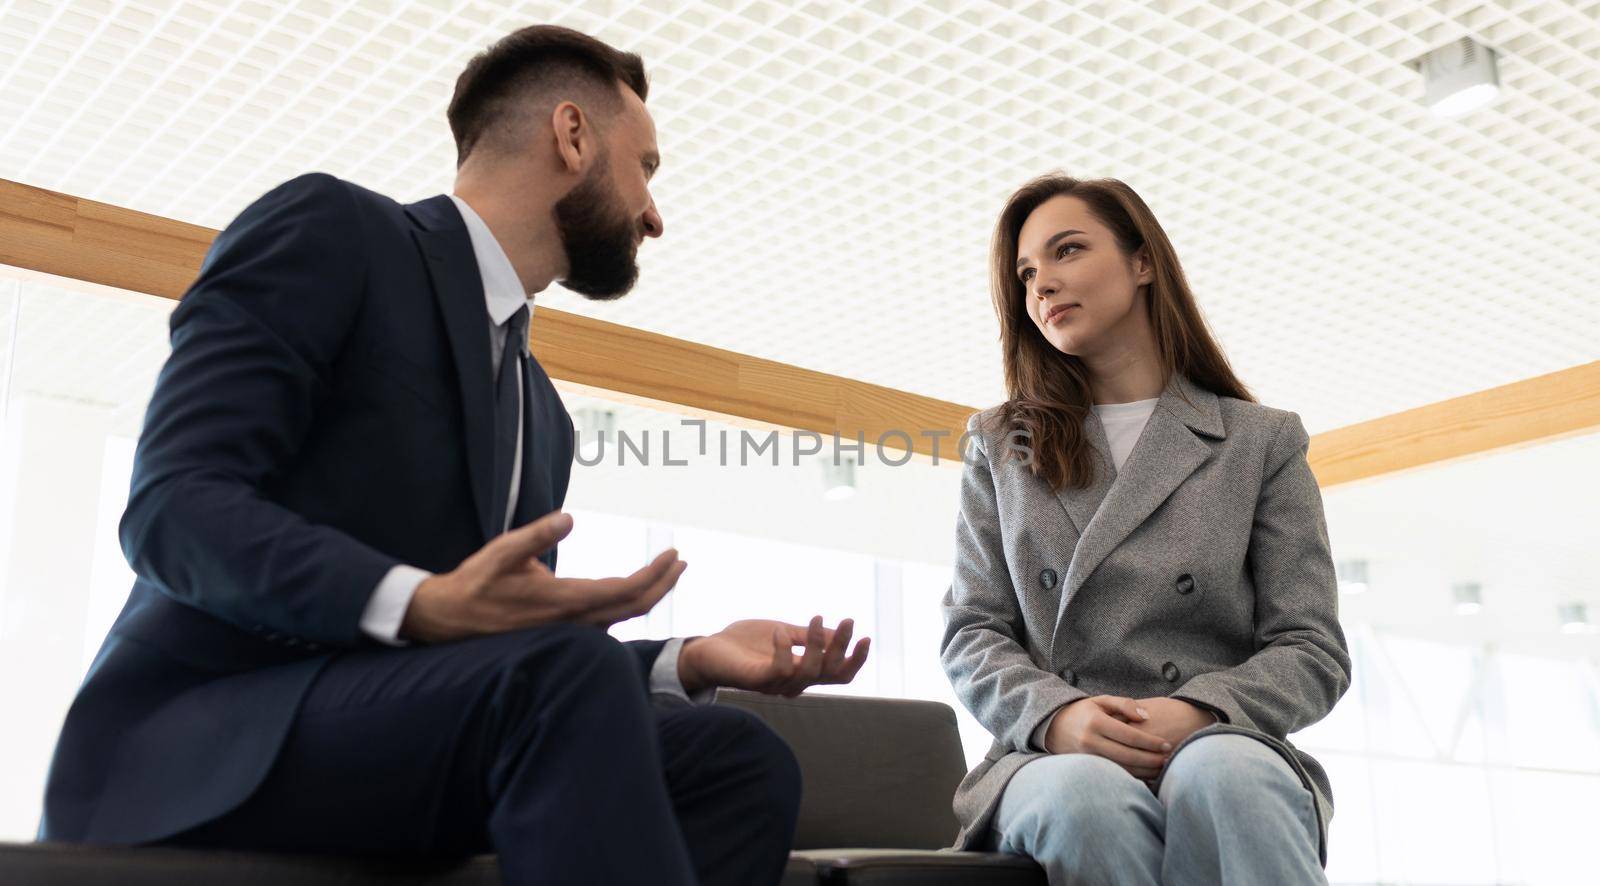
(800, 871)
(875, 771)
(908, 867)
(60, 864)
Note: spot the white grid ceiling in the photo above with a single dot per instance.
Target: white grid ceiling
(832, 169)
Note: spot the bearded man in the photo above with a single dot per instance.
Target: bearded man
(346, 633)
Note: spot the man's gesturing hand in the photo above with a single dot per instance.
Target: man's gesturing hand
(759, 655)
(1103, 725)
(503, 587)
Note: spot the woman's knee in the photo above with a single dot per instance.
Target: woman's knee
(1076, 793)
(1223, 769)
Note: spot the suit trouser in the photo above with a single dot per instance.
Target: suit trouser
(542, 746)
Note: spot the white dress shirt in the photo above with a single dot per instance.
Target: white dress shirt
(503, 295)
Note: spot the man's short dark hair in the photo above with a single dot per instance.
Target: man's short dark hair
(530, 61)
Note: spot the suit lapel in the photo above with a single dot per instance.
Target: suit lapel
(534, 498)
(457, 286)
(1168, 451)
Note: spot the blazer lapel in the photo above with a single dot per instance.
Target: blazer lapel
(1167, 452)
(443, 240)
(1081, 504)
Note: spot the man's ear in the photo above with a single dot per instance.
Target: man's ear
(574, 134)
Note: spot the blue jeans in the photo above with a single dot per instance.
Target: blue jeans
(1230, 811)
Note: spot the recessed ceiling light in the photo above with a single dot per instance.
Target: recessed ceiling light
(838, 477)
(1352, 576)
(1458, 77)
(592, 426)
(1574, 618)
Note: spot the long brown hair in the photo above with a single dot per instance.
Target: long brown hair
(1048, 393)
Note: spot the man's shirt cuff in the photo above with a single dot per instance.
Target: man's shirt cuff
(664, 676)
(386, 608)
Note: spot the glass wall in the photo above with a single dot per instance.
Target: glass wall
(1460, 765)
(1467, 750)
(78, 366)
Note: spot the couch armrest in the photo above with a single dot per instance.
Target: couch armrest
(876, 771)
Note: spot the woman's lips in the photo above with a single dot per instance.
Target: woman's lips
(1059, 311)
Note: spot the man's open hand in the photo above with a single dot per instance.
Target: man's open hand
(759, 655)
(504, 587)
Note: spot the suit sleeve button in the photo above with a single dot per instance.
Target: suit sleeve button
(1170, 672)
(1185, 583)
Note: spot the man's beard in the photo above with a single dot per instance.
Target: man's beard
(599, 237)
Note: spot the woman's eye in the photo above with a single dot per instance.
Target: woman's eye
(1061, 251)
(1026, 275)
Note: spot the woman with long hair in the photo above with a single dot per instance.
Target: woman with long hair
(1144, 604)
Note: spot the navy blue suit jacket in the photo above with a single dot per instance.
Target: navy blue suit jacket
(326, 413)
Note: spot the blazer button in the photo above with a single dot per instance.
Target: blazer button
(1047, 579)
(1185, 583)
(1170, 672)
(1070, 676)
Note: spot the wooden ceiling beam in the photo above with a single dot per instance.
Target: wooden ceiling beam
(70, 237)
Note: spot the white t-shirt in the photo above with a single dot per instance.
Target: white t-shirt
(1124, 422)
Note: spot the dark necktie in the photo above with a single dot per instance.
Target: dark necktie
(507, 411)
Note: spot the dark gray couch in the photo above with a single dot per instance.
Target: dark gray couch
(879, 774)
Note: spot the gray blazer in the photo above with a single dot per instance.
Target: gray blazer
(1199, 572)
